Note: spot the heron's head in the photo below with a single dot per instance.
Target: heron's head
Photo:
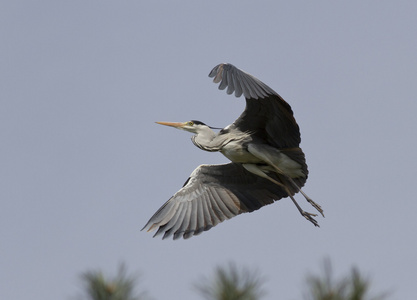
(191, 126)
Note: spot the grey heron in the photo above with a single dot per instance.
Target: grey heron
(266, 165)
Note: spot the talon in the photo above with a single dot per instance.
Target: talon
(315, 205)
(309, 217)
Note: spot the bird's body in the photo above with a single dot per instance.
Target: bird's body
(234, 149)
(237, 152)
(267, 163)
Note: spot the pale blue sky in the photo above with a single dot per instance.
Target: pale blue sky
(83, 165)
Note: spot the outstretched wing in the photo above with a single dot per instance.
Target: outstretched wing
(267, 114)
(212, 194)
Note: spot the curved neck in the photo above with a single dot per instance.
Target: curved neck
(205, 140)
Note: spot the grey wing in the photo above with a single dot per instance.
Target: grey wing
(212, 194)
(239, 82)
(266, 115)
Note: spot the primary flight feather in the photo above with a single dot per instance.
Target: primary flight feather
(267, 163)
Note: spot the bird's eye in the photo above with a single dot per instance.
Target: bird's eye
(190, 123)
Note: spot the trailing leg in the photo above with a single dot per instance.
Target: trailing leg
(258, 171)
(283, 165)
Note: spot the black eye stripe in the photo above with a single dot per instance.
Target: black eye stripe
(197, 122)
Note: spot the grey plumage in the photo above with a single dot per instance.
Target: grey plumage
(212, 194)
(267, 163)
(239, 82)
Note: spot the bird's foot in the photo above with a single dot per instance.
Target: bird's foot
(309, 216)
(315, 205)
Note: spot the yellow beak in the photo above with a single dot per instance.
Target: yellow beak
(173, 124)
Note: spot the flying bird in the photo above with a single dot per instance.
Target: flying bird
(266, 165)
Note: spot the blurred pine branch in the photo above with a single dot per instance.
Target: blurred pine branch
(232, 283)
(121, 287)
(352, 287)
